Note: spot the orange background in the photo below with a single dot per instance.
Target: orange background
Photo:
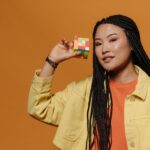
(28, 31)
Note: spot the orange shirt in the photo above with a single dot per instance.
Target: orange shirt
(119, 92)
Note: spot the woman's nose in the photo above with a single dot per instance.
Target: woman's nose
(105, 48)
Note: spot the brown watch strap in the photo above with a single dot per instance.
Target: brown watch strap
(53, 64)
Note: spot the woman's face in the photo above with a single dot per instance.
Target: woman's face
(112, 47)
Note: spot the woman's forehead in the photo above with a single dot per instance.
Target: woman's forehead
(107, 29)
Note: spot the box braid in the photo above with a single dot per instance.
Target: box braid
(100, 103)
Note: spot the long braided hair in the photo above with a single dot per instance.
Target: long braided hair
(98, 114)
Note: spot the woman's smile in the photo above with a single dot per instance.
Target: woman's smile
(108, 59)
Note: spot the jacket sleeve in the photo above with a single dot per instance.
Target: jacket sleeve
(45, 105)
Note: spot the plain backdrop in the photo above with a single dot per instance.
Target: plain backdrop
(28, 31)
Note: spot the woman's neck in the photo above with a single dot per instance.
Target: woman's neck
(125, 75)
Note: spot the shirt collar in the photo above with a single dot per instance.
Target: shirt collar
(142, 84)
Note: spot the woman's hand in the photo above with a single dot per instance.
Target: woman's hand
(63, 51)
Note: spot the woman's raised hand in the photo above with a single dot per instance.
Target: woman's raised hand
(63, 51)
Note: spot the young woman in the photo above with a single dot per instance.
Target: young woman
(109, 110)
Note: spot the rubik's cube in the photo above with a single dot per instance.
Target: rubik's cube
(82, 45)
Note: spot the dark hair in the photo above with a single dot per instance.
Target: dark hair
(98, 114)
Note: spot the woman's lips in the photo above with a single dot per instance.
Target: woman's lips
(108, 59)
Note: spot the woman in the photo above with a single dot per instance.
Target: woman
(108, 110)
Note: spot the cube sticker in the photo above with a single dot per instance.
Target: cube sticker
(82, 44)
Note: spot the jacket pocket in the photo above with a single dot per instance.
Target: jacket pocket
(142, 126)
(73, 134)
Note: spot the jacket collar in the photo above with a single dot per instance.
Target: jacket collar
(142, 85)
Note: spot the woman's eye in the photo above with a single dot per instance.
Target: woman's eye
(113, 40)
(97, 44)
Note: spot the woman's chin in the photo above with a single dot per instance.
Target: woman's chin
(109, 68)
(112, 68)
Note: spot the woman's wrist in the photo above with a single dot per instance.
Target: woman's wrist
(51, 62)
(47, 70)
(52, 58)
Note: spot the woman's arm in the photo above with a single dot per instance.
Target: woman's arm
(42, 103)
(45, 105)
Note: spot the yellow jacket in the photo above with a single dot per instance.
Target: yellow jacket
(67, 109)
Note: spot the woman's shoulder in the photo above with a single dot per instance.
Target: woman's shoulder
(85, 81)
(82, 85)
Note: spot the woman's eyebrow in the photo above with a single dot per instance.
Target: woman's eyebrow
(107, 36)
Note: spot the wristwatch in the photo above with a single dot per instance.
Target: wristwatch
(53, 64)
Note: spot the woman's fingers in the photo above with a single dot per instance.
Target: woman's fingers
(67, 44)
(71, 44)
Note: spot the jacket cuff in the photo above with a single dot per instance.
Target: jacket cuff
(42, 82)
